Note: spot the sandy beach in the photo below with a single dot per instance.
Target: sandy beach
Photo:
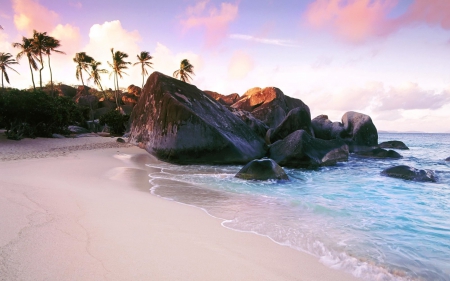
(80, 209)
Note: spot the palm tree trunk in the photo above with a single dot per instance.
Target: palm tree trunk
(32, 76)
(117, 89)
(2, 80)
(40, 70)
(101, 88)
(82, 82)
(143, 76)
(51, 76)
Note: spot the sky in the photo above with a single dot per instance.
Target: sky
(389, 59)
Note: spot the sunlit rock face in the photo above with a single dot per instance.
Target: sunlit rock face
(179, 123)
(269, 105)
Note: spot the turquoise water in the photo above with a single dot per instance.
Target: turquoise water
(349, 216)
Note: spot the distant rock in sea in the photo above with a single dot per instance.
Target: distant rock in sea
(301, 150)
(269, 105)
(356, 129)
(379, 153)
(178, 123)
(394, 145)
(410, 173)
(263, 169)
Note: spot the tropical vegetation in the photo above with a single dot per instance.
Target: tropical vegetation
(6, 60)
(144, 60)
(186, 69)
(118, 66)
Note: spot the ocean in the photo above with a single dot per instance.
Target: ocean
(348, 216)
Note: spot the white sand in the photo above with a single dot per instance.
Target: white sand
(89, 216)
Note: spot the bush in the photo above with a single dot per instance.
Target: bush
(36, 114)
(115, 121)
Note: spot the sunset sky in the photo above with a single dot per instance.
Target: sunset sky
(386, 58)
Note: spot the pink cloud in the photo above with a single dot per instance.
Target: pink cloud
(214, 20)
(359, 20)
(241, 64)
(29, 15)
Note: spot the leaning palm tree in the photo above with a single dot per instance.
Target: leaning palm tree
(5, 61)
(118, 66)
(26, 48)
(186, 68)
(94, 74)
(144, 60)
(51, 45)
(40, 42)
(82, 60)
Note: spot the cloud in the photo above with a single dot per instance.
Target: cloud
(322, 62)
(278, 42)
(359, 20)
(103, 37)
(69, 36)
(240, 65)
(410, 97)
(214, 20)
(77, 5)
(29, 15)
(165, 61)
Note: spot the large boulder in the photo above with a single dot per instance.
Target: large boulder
(379, 153)
(65, 90)
(356, 129)
(301, 150)
(225, 100)
(178, 123)
(255, 124)
(263, 169)
(129, 99)
(325, 129)
(106, 104)
(134, 90)
(297, 119)
(269, 105)
(410, 173)
(393, 145)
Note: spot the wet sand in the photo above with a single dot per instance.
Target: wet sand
(89, 215)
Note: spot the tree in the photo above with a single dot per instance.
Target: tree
(94, 74)
(144, 60)
(40, 42)
(26, 48)
(118, 65)
(82, 60)
(5, 61)
(186, 68)
(51, 45)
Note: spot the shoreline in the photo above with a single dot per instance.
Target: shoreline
(84, 216)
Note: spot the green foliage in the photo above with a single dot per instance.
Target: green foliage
(115, 121)
(36, 114)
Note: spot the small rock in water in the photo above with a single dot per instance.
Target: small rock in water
(120, 140)
(379, 153)
(394, 145)
(448, 159)
(263, 169)
(410, 173)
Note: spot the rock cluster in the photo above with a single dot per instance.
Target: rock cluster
(410, 173)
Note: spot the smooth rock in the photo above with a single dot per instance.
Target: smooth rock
(58, 136)
(379, 153)
(410, 173)
(394, 145)
(269, 105)
(121, 140)
(297, 119)
(263, 169)
(448, 159)
(255, 124)
(129, 99)
(325, 129)
(300, 150)
(65, 90)
(225, 100)
(78, 130)
(134, 90)
(178, 123)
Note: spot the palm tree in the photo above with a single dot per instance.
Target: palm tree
(51, 45)
(26, 48)
(5, 61)
(95, 74)
(186, 68)
(82, 60)
(40, 41)
(144, 59)
(118, 65)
